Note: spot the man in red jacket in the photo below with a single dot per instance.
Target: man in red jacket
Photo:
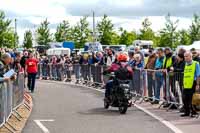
(31, 71)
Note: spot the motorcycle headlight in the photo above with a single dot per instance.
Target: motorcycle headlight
(124, 85)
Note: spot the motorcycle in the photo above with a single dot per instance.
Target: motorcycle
(120, 95)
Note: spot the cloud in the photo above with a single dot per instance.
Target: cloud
(184, 8)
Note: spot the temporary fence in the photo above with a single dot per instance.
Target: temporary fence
(85, 72)
(158, 85)
(146, 84)
(11, 97)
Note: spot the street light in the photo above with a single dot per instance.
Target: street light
(15, 43)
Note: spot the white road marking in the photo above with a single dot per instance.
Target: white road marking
(166, 123)
(44, 129)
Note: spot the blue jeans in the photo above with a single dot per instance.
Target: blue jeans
(31, 81)
(54, 73)
(44, 71)
(159, 83)
(77, 72)
(151, 84)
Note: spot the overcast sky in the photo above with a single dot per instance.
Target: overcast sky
(123, 13)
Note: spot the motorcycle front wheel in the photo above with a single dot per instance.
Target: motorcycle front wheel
(123, 109)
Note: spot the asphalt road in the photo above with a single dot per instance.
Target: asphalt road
(80, 110)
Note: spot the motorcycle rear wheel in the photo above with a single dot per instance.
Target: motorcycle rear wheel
(106, 104)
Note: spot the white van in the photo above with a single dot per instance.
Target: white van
(58, 51)
(144, 45)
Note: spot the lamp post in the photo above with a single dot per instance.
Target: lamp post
(15, 43)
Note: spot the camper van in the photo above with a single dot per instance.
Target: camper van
(58, 51)
(144, 45)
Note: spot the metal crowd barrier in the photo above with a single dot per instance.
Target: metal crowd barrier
(158, 85)
(85, 73)
(146, 84)
(11, 97)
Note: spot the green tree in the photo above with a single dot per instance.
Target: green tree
(43, 33)
(7, 35)
(127, 38)
(105, 28)
(168, 35)
(156, 40)
(81, 32)
(63, 32)
(194, 30)
(184, 37)
(146, 33)
(28, 39)
(115, 38)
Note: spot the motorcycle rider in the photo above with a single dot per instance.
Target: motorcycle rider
(121, 62)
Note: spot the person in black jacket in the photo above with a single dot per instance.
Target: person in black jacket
(178, 68)
(177, 71)
(23, 59)
(195, 55)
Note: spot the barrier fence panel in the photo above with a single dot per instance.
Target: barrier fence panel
(93, 71)
(99, 75)
(2, 104)
(85, 72)
(39, 70)
(77, 71)
(137, 82)
(9, 90)
(18, 90)
(11, 96)
(53, 72)
(45, 70)
(175, 87)
(151, 84)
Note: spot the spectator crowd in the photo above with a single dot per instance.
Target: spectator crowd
(161, 68)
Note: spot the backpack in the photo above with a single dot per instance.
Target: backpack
(122, 73)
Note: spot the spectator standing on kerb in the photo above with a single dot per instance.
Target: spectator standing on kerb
(16, 65)
(138, 51)
(77, 68)
(131, 61)
(68, 68)
(190, 83)
(4, 66)
(168, 62)
(158, 75)
(195, 55)
(151, 75)
(31, 71)
(24, 58)
(109, 57)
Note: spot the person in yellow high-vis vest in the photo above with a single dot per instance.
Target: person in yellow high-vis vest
(168, 62)
(190, 83)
